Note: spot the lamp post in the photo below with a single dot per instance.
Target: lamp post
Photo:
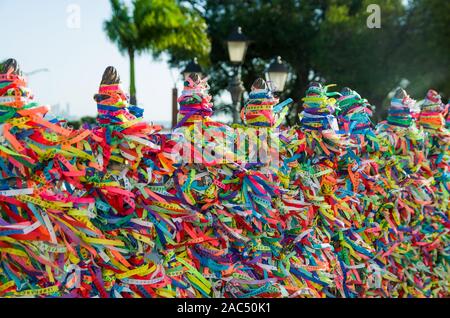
(277, 75)
(237, 44)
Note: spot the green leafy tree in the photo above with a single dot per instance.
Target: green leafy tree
(348, 52)
(427, 47)
(156, 26)
(279, 27)
(329, 41)
(411, 44)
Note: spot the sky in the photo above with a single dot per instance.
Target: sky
(48, 34)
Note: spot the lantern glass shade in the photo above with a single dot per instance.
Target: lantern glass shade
(236, 51)
(192, 68)
(237, 44)
(277, 74)
(278, 80)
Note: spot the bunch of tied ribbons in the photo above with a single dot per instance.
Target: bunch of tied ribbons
(260, 139)
(431, 115)
(198, 138)
(399, 113)
(447, 116)
(195, 103)
(35, 197)
(70, 221)
(110, 212)
(318, 108)
(410, 206)
(351, 196)
(354, 114)
(112, 102)
(319, 123)
(400, 129)
(262, 108)
(437, 143)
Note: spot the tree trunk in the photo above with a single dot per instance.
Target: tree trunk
(133, 100)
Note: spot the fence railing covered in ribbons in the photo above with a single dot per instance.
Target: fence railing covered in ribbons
(334, 207)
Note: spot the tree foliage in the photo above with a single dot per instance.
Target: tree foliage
(427, 46)
(329, 41)
(369, 60)
(156, 27)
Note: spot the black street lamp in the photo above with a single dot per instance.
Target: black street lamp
(237, 44)
(192, 68)
(277, 74)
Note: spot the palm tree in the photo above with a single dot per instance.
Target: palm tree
(157, 26)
